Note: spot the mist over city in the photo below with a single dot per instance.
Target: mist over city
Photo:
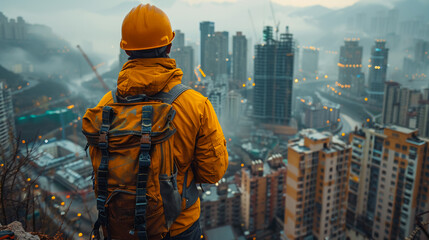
(323, 106)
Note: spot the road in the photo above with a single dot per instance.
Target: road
(352, 113)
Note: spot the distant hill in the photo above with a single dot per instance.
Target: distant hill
(312, 11)
(11, 79)
(37, 45)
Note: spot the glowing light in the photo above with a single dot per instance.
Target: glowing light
(343, 134)
(366, 99)
(40, 137)
(304, 79)
(1, 165)
(36, 186)
(326, 76)
(338, 120)
(339, 93)
(23, 141)
(253, 84)
(244, 85)
(79, 214)
(63, 203)
(202, 236)
(242, 165)
(53, 197)
(196, 86)
(80, 234)
(317, 78)
(70, 107)
(78, 118)
(327, 121)
(28, 179)
(250, 79)
(296, 80)
(202, 73)
(367, 120)
(68, 196)
(330, 109)
(327, 86)
(369, 65)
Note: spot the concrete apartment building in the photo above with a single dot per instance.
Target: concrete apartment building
(239, 59)
(262, 186)
(406, 107)
(388, 182)
(220, 206)
(7, 123)
(317, 183)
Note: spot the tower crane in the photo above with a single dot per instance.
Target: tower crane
(93, 69)
(276, 24)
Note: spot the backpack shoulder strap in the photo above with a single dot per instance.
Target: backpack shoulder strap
(173, 94)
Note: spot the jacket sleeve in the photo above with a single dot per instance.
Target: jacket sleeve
(210, 157)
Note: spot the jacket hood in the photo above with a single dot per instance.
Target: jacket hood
(147, 75)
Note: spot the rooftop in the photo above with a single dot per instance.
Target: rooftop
(212, 195)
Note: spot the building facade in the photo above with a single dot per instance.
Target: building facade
(239, 59)
(216, 55)
(310, 61)
(350, 65)
(7, 123)
(184, 56)
(387, 182)
(220, 206)
(273, 74)
(317, 183)
(206, 30)
(262, 189)
(377, 72)
(405, 107)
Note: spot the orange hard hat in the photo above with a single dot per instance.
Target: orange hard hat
(146, 27)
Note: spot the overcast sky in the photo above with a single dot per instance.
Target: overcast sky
(99, 21)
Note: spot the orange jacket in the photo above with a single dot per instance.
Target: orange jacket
(199, 140)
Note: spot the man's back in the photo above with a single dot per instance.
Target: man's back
(199, 143)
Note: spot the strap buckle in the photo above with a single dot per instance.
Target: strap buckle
(102, 140)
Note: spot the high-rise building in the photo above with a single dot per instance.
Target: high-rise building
(350, 65)
(387, 182)
(310, 61)
(12, 29)
(220, 206)
(400, 105)
(7, 123)
(423, 118)
(273, 74)
(206, 30)
(262, 189)
(239, 58)
(317, 182)
(377, 71)
(391, 104)
(216, 55)
(184, 56)
(234, 109)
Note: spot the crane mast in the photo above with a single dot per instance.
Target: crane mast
(93, 69)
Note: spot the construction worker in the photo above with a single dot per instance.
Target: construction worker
(199, 144)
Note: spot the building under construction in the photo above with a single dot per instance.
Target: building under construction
(273, 74)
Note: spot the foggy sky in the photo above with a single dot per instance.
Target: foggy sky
(98, 23)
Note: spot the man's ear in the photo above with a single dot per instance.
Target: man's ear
(168, 48)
